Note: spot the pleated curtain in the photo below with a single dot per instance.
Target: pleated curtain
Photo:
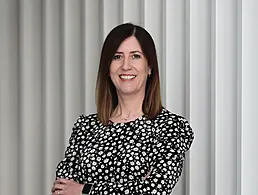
(207, 52)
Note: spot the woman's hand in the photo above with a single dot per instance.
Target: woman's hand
(66, 187)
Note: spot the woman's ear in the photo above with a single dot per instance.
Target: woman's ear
(149, 72)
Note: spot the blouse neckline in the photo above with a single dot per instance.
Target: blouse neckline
(136, 121)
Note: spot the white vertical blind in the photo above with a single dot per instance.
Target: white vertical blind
(249, 97)
(9, 125)
(31, 127)
(152, 21)
(49, 56)
(226, 97)
(175, 55)
(199, 67)
(92, 33)
(72, 62)
(174, 91)
(111, 15)
(134, 16)
(53, 89)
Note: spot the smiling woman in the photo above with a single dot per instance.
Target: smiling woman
(128, 50)
(132, 145)
(129, 68)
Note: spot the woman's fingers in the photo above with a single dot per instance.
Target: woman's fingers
(58, 192)
(62, 181)
(53, 189)
(66, 187)
(58, 187)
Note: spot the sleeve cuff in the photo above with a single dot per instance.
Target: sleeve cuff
(87, 188)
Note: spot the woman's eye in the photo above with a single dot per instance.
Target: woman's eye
(117, 57)
(136, 56)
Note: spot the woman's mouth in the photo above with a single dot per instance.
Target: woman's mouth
(127, 77)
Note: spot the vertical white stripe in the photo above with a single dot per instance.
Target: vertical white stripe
(73, 68)
(92, 44)
(53, 128)
(131, 11)
(31, 98)
(239, 97)
(249, 97)
(207, 74)
(112, 15)
(213, 98)
(175, 56)
(226, 93)
(9, 139)
(188, 163)
(154, 25)
(200, 96)
(174, 61)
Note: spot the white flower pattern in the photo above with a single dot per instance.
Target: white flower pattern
(138, 157)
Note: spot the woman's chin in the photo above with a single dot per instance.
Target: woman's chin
(128, 91)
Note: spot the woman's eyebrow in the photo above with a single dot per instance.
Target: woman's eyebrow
(136, 51)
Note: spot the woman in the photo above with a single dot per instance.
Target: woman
(132, 145)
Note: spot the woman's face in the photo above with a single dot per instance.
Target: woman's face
(129, 68)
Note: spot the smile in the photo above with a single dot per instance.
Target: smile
(127, 77)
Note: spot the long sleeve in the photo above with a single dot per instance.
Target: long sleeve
(69, 167)
(173, 140)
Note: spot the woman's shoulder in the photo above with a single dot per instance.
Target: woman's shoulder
(166, 116)
(88, 117)
(84, 121)
(168, 121)
(175, 128)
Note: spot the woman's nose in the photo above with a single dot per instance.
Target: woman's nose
(126, 64)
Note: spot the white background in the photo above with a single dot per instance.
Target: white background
(208, 59)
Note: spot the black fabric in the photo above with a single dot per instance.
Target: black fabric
(137, 157)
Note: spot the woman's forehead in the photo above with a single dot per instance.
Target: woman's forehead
(130, 44)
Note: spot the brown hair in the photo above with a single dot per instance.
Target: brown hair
(106, 96)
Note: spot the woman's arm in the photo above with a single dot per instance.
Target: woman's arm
(173, 141)
(69, 167)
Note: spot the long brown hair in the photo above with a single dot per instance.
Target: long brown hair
(106, 95)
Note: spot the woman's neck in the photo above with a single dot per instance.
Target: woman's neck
(128, 108)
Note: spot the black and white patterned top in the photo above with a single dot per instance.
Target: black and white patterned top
(138, 157)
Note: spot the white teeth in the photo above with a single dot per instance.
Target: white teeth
(127, 77)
